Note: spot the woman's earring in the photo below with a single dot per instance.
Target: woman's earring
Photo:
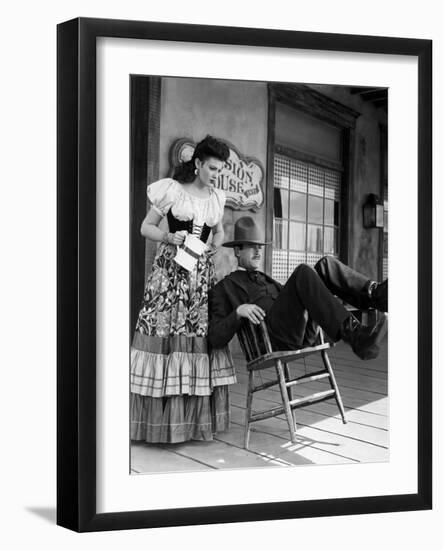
(196, 171)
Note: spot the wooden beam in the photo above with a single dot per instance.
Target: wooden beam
(373, 95)
(315, 104)
(360, 89)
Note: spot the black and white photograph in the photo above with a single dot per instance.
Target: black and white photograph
(259, 274)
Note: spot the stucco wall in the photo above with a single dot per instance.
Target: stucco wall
(234, 111)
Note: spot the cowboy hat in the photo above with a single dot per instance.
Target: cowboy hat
(246, 231)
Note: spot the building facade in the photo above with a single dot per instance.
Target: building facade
(305, 160)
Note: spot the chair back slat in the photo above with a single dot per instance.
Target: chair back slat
(254, 340)
(265, 337)
(244, 343)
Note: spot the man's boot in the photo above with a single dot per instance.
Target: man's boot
(364, 341)
(378, 295)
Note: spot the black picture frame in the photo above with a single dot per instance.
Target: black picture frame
(76, 274)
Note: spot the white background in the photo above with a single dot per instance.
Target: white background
(27, 304)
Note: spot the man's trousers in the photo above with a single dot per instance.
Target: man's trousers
(312, 297)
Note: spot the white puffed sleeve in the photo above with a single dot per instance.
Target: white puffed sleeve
(162, 195)
(219, 204)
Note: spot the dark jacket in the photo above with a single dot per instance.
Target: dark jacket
(224, 298)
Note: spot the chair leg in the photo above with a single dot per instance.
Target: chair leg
(285, 399)
(334, 385)
(248, 409)
(290, 394)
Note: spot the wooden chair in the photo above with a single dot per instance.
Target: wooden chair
(256, 345)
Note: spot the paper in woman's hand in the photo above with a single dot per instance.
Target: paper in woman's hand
(190, 251)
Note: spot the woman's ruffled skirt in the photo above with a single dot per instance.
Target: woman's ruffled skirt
(178, 391)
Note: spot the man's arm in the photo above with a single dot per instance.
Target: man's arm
(223, 320)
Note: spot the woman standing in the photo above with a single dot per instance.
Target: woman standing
(178, 392)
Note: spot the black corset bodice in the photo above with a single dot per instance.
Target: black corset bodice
(188, 225)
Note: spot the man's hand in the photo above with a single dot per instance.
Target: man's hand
(254, 313)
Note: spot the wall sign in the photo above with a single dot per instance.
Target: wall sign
(241, 179)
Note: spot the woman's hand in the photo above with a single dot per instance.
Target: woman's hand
(211, 250)
(253, 312)
(177, 238)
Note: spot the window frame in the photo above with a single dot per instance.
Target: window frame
(287, 218)
(315, 104)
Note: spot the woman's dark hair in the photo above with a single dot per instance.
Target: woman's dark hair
(208, 147)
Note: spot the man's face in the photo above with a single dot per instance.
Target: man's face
(249, 256)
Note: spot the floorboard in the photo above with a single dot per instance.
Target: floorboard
(322, 438)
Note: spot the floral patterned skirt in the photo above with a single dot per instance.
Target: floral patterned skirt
(178, 391)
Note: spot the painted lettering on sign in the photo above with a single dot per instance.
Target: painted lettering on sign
(241, 178)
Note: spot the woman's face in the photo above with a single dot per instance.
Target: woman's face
(209, 170)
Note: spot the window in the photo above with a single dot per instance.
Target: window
(306, 214)
(310, 146)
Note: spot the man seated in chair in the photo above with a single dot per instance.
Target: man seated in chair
(293, 312)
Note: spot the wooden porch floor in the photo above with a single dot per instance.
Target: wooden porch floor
(323, 438)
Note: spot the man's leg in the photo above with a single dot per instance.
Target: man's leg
(303, 299)
(350, 285)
